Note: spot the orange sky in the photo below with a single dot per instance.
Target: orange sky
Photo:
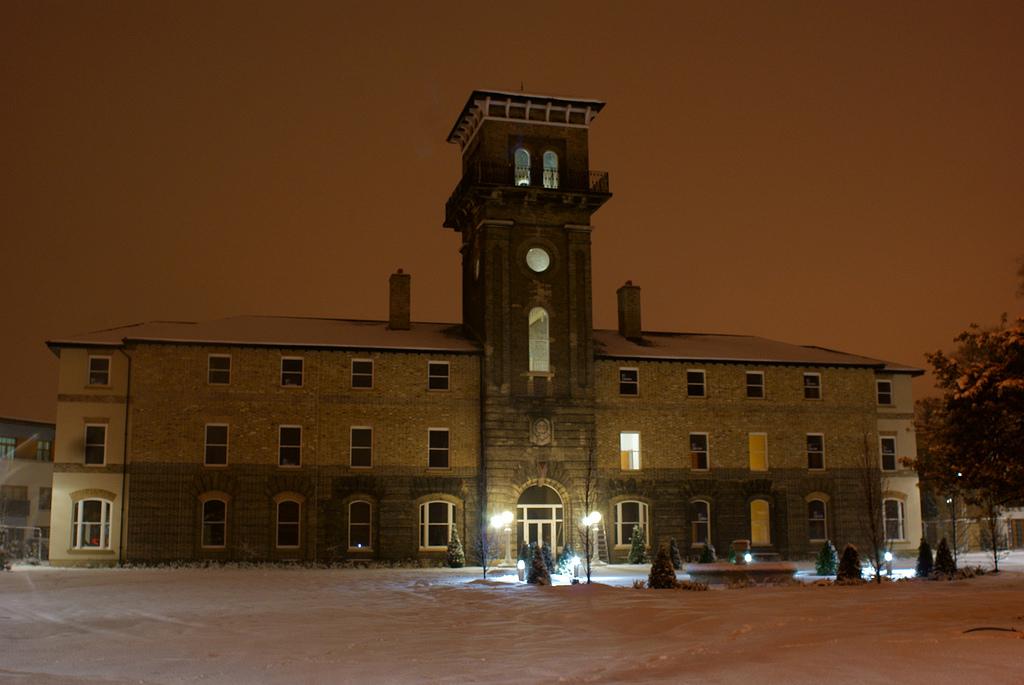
(841, 174)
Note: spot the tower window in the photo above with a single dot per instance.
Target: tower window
(815, 451)
(695, 384)
(522, 171)
(812, 386)
(539, 342)
(629, 381)
(699, 451)
(550, 169)
(755, 384)
(362, 373)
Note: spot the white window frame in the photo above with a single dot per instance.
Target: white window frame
(747, 385)
(635, 459)
(882, 439)
(44, 455)
(210, 370)
(426, 523)
(280, 429)
(901, 519)
(539, 346)
(88, 370)
(78, 526)
(431, 376)
(522, 175)
(447, 451)
(368, 525)
(352, 447)
(550, 179)
(879, 393)
(807, 449)
(645, 522)
(767, 463)
(811, 519)
(707, 451)
(278, 524)
(8, 447)
(634, 383)
(207, 444)
(805, 388)
(223, 522)
(85, 437)
(301, 372)
(703, 383)
(694, 522)
(362, 374)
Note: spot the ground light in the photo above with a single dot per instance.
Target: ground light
(748, 557)
(521, 568)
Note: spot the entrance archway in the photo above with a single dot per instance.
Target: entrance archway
(539, 517)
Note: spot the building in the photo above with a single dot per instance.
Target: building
(26, 478)
(323, 439)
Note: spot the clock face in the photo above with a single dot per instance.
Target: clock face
(538, 259)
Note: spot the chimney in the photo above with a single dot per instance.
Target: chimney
(629, 310)
(399, 306)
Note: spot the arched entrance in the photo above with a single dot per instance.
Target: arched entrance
(539, 517)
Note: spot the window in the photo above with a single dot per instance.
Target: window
(289, 449)
(538, 259)
(893, 511)
(629, 451)
(362, 373)
(884, 389)
(437, 375)
(629, 381)
(218, 369)
(44, 450)
(436, 521)
(539, 343)
(695, 384)
(700, 522)
(288, 528)
(216, 453)
(437, 448)
(14, 492)
(45, 497)
(291, 371)
(887, 446)
(817, 524)
(758, 449)
(361, 447)
(99, 370)
(812, 386)
(522, 167)
(90, 524)
(550, 169)
(699, 451)
(359, 513)
(815, 451)
(215, 516)
(7, 448)
(95, 444)
(760, 523)
(755, 384)
(629, 515)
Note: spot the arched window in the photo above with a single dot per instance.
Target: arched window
(893, 509)
(215, 516)
(436, 521)
(629, 515)
(522, 161)
(760, 523)
(359, 525)
(90, 524)
(550, 169)
(700, 522)
(288, 526)
(817, 520)
(539, 342)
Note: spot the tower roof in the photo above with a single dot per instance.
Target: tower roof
(525, 107)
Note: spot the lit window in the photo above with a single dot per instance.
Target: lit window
(699, 451)
(758, 448)
(218, 369)
(817, 525)
(884, 392)
(436, 521)
(812, 386)
(755, 384)
(216, 453)
(437, 448)
(550, 169)
(629, 451)
(887, 446)
(629, 381)
(44, 450)
(362, 373)
(695, 384)
(99, 370)
(289, 450)
(288, 527)
(95, 444)
(522, 170)
(700, 522)
(629, 515)
(291, 371)
(437, 375)
(361, 447)
(815, 451)
(893, 509)
(45, 497)
(8, 446)
(760, 523)
(215, 516)
(90, 524)
(359, 520)
(539, 343)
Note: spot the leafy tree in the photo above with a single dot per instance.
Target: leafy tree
(538, 573)
(707, 555)
(662, 576)
(674, 555)
(637, 547)
(944, 563)
(456, 557)
(925, 563)
(849, 565)
(827, 561)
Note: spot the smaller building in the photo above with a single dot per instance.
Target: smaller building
(26, 486)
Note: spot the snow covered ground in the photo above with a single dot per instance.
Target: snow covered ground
(278, 625)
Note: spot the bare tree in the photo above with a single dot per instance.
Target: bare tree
(585, 525)
(872, 520)
(487, 547)
(990, 510)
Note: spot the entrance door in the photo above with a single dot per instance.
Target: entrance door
(539, 517)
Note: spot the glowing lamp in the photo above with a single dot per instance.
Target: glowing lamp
(521, 565)
(748, 557)
(888, 557)
(496, 521)
(506, 518)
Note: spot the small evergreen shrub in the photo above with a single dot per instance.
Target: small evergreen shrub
(525, 554)
(849, 566)
(944, 564)
(673, 553)
(456, 557)
(925, 563)
(827, 561)
(732, 553)
(662, 576)
(545, 554)
(637, 548)
(565, 560)
(707, 555)
(538, 573)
